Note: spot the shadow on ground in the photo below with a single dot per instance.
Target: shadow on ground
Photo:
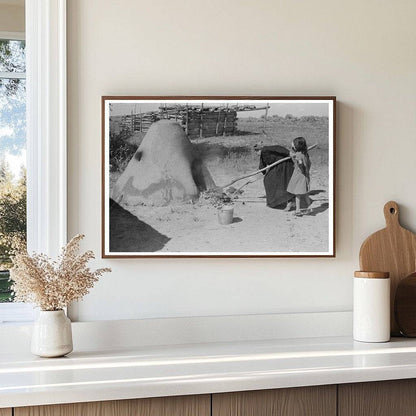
(129, 234)
(315, 192)
(321, 208)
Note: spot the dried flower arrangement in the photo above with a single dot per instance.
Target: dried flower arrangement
(53, 285)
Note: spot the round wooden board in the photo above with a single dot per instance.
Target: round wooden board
(405, 306)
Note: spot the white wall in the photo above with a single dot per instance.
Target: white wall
(361, 51)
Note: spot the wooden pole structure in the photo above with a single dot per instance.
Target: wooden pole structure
(201, 122)
(265, 116)
(234, 121)
(141, 119)
(236, 109)
(218, 122)
(132, 121)
(187, 119)
(225, 121)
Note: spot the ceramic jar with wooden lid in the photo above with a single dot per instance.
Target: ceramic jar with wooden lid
(371, 307)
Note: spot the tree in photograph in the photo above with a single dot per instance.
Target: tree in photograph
(121, 151)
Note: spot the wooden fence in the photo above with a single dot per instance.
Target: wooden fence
(197, 121)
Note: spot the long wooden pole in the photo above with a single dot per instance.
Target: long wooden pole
(225, 122)
(285, 159)
(201, 121)
(187, 119)
(265, 117)
(218, 122)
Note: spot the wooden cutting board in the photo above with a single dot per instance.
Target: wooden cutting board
(393, 250)
(405, 306)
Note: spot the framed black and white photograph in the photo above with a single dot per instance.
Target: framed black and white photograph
(218, 176)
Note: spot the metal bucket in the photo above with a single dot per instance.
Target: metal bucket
(226, 215)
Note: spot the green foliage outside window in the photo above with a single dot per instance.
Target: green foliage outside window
(12, 223)
(12, 145)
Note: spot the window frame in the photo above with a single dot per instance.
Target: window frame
(12, 36)
(46, 135)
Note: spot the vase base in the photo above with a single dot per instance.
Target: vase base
(60, 351)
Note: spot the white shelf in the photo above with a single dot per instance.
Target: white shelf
(150, 371)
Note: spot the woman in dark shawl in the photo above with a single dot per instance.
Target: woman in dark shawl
(276, 178)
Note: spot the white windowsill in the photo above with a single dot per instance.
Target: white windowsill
(16, 313)
(12, 35)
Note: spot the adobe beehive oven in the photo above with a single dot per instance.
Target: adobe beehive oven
(165, 169)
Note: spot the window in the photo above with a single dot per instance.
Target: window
(12, 153)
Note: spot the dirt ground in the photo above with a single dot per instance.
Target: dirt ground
(194, 227)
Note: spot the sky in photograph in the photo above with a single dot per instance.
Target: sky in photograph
(281, 109)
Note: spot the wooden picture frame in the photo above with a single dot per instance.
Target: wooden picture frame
(161, 189)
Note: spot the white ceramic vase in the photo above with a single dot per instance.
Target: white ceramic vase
(52, 334)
